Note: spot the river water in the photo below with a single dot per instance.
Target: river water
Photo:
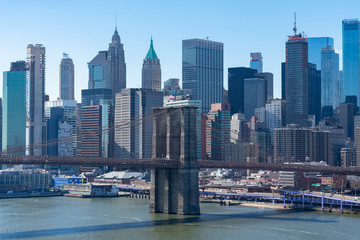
(125, 218)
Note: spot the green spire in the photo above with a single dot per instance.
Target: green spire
(151, 55)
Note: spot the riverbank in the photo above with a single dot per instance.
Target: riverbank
(30, 195)
(277, 206)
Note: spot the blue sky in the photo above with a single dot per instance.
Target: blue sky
(82, 28)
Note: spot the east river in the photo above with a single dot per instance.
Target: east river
(125, 218)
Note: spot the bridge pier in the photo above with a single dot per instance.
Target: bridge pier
(175, 191)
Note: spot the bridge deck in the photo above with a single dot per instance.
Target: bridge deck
(170, 164)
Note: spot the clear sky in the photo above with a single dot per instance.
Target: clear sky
(82, 28)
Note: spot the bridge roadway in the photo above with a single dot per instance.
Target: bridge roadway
(170, 164)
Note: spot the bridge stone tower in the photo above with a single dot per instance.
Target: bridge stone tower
(175, 191)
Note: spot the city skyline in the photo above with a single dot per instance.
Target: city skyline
(82, 37)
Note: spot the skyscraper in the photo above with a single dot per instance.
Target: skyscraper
(314, 91)
(254, 95)
(202, 70)
(108, 69)
(133, 108)
(14, 108)
(315, 46)
(151, 70)
(218, 131)
(236, 78)
(347, 119)
(69, 118)
(296, 79)
(116, 66)
(97, 71)
(52, 125)
(91, 125)
(275, 114)
(256, 62)
(35, 95)
(330, 78)
(351, 57)
(66, 78)
(92, 97)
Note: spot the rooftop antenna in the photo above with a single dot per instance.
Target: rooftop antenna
(115, 21)
(294, 23)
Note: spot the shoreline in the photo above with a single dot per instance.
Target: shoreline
(30, 195)
(277, 206)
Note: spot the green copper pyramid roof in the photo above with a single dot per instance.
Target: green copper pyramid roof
(151, 55)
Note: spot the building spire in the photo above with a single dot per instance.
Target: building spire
(294, 23)
(151, 55)
(116, 37)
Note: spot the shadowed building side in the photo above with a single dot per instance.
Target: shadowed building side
(175, 190)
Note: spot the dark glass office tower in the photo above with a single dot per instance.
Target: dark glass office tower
(202, 70)
(314, 87)
(236, 78)
(296, 80)
(351, 57)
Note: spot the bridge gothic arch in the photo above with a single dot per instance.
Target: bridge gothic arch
(175, 191)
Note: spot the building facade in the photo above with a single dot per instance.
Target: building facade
(236, 77)
(134, 122)
(314, 92)
(108, 68)
(256, 62)
(351, 57)
(14, 108)
(202, 71)
(254, 95)
(330, 78)
(294, 144)
(35, 97)
(92, 97)
(151, 70)
(296, 80)
(98, 71)
(91, 126)
(116, 66)
(315, 45)
(66, 78)
(69, 117)
(275, 114)
(217, 131)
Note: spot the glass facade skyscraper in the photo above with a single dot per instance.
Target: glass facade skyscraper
(14, 108)
(296, 80)
(254, 95)
(203, 70)
(315, 44)
(351, 57)
(236, 78)
(97, 71)
(330, 78)
(256, 62)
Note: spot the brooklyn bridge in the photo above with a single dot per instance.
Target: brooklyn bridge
(174, 178)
